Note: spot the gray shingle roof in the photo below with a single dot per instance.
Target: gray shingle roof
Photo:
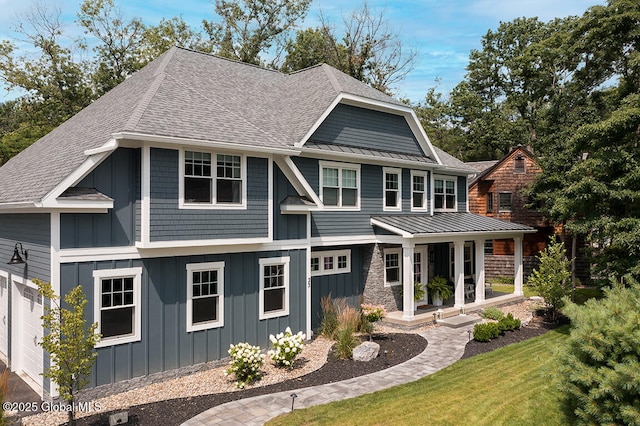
(445, 223)
(185, 94)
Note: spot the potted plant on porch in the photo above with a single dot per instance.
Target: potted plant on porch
(438, 290)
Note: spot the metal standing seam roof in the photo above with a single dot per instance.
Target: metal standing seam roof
(445, 223)
(369, 152)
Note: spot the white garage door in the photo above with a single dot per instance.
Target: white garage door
(31, 333)
(4, 315)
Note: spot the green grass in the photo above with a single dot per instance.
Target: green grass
(508, 386)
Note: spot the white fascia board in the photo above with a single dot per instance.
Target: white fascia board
(421, 135)
(177, 142)
(202, 243)
(297, 209)
(110, 146)
(296, 178)
(318, 122)
(391, 228)
(51, 199)
(451, 236)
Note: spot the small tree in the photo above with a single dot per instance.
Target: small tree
(599, 368)
(551, 279)
(69, 341)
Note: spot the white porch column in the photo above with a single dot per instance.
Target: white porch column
(479, 271)
(407, 281)
(518, 268)
(458, 275)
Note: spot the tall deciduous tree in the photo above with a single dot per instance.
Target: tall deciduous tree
(247, 29)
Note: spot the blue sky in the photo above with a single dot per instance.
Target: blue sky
(442, 31)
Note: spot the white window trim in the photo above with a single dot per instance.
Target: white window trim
(340, 166)
(336, 270)
(98, 275)
(209, 266)
(425, 175)
(397, 172)
(213, 205)
(444, 178)
(397, 251)
(285, 260)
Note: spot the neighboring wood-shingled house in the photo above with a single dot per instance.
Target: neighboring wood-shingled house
(204, 202)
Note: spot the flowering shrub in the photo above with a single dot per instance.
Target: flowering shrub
(373, 313)
(245, 362)
(286, 346)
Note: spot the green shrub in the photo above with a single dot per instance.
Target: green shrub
(598, 371)
(551, 279)
(493, 313)
(485, 331)
(508, 323)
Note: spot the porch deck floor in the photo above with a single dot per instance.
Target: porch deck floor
(428, 316)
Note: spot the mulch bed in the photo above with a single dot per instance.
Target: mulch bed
(399, 347)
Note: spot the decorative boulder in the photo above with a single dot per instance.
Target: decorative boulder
(367, 351)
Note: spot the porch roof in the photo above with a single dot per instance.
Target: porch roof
(415, 225)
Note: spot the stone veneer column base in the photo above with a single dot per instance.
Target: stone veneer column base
(373, 271)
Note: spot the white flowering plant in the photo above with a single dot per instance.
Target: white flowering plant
(373, 313)
(286, 347)
(245, 363)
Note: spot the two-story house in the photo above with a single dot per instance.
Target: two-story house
(204, 202)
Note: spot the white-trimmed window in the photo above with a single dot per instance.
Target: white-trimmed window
(418, 190)
(205, 295)
(117, 305)
(330, 262)
(340, 185)
(444, 193)
(392, 186)
(504, 202)
(392, 267)
(208, 179)
(274, 287)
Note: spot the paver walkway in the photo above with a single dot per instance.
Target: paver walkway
(445, 346)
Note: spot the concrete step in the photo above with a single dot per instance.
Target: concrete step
(459, 321)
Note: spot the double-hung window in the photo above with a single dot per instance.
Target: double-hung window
(274, 287)
(489, 202)
(213, 179)
(117, 307)
(340, 185)
(392, 187)
(330, 262)
(418, 191)
(392, 267)
(444, 193)
(205, 295)
(504, 202)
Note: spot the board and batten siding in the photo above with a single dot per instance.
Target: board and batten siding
(170, 223)
(364, 128)
(117, 177)
(165, 344)
(33, 230)
(286, 226)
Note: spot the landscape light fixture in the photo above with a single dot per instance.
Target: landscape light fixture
(16, 259)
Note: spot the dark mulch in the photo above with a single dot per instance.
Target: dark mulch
(536, 327)
(399, 348)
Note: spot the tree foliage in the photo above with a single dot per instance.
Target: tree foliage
(551, 279)
(69, 340)
(599, 369)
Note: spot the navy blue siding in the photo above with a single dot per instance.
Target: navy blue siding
(165, 344)
(169, 223)
(119, 178)
(462, 193)
(363, 128)
(348, 286)
(33, 230)
(286, 226)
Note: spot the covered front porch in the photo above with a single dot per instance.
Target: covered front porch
(448, 245)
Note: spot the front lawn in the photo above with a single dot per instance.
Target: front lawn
(508, 386)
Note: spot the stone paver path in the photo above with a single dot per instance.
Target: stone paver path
(445, 346)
